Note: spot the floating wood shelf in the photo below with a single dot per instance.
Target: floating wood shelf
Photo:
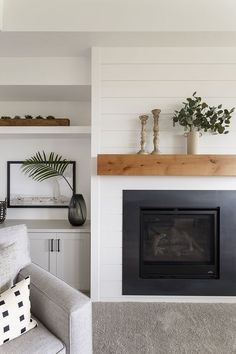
(33, 122)
(166, 165)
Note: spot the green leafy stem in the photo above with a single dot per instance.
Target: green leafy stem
(198, 115)
(41, 167)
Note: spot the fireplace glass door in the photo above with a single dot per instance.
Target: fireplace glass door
(179, 243)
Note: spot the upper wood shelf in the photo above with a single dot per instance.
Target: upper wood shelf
(166, 165)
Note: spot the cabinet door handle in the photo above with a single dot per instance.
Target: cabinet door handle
(58, 245)
(51, 245)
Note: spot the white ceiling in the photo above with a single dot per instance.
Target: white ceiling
(118, 15)
(79, 43)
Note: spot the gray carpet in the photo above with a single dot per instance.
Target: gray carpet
(152, 328)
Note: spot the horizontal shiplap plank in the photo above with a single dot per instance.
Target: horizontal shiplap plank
(168, 55)
(110, 289)
(126, 122)
(133, 150)
(114, 223)
(110, 205)
(203, 148)
(131, 139)
(175, 150)
(172, 150)
(111, 255)
(170, 89)
(156, 72)
(120, 183)
(145, 105)
(111, 239)
(138, 106)
(111, 272)
(111, 193)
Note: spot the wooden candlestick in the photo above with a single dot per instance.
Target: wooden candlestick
(143, 119)
(156, 113)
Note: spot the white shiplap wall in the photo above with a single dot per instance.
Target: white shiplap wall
(126, 83)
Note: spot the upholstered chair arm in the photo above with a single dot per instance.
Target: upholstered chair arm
(63, 310)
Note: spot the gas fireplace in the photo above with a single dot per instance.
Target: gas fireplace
(179, 242)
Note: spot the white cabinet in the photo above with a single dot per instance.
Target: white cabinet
(64, 254)
(61, 249)
(41, 250)
(73, 259)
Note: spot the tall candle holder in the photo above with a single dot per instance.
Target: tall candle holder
(156, 113)
(143, 118)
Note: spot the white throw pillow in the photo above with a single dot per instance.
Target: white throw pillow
(8, 268)
(15, 317)
(20, 255)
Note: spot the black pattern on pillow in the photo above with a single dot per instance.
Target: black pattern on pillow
(15, 316)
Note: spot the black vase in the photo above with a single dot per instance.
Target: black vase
(3, 210)
(77, 212)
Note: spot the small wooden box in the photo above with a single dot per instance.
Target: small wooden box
(23, 122)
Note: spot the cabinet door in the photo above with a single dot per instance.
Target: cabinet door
(73, 259)
(42, 250)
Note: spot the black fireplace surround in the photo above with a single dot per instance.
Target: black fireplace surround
(179, 242)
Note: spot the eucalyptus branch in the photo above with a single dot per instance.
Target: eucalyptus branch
(198, 115)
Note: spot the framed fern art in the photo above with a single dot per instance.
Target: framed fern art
(57, 183)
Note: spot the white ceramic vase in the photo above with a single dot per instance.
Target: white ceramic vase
(193, 142)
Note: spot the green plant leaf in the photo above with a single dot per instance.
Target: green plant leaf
(201, 116)
(41, 167)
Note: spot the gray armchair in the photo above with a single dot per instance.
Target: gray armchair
(63, 315)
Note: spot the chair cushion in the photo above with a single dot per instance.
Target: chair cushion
(37, 341)
(16, 254)
(15, 317)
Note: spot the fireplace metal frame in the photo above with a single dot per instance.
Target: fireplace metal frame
(225, 201)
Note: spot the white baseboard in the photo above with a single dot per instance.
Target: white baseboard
(177, 299)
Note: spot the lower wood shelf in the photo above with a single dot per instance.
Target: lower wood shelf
(166, 165)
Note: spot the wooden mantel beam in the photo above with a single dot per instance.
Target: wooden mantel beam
(166, 165)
